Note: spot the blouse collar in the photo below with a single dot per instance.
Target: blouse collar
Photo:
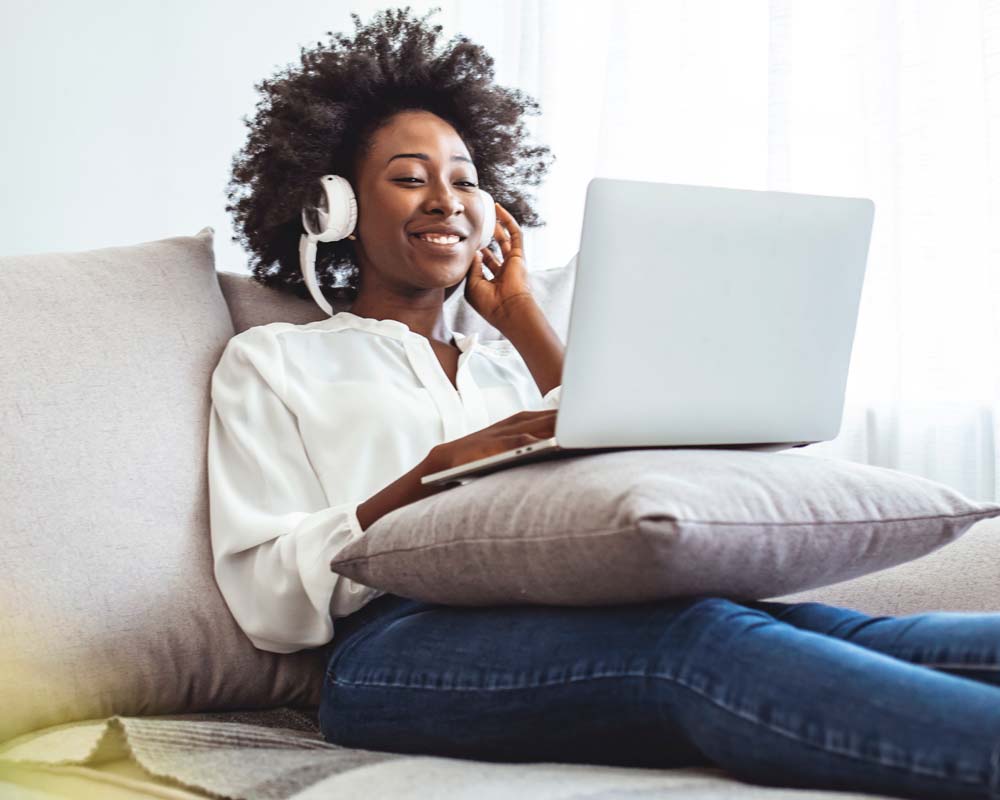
(392, 328)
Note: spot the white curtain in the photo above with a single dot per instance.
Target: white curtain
(896, 100)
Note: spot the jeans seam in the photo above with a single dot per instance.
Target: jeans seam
(991, 779)
(913, 657)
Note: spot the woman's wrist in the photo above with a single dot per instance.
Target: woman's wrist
(401, 492)
(435, 461)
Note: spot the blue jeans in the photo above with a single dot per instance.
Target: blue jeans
(777, 694)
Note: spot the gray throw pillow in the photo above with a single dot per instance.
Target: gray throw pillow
(640, 525)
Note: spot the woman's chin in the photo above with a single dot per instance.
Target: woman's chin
(444, 275)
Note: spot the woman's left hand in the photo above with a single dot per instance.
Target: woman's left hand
(498, 300)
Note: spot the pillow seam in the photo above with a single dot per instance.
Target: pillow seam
(595, 533)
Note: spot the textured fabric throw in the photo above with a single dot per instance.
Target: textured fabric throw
(280, 754)
(229, 759)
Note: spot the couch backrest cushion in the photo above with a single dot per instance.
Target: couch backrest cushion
(252, 304)
(108, 602)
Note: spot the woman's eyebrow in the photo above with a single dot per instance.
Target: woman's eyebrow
(425, 157)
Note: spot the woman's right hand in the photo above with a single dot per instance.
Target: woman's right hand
(522, 428)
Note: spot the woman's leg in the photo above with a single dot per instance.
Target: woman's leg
(963, 643)
(697, 681)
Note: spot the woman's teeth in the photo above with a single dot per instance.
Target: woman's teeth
(439, 239)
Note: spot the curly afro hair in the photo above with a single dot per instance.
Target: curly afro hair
(320, 118)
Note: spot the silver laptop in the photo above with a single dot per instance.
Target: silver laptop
(704, 317)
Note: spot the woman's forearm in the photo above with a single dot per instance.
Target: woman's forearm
(404, 490)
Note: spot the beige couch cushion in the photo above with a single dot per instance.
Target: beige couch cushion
(252, 304)
(108, 604)
(640, 525)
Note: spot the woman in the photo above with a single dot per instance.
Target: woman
(318, 430)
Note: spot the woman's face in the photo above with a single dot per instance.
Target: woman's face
(398, 196)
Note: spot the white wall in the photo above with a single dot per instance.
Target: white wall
(120, 119)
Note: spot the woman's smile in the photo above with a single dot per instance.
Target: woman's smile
(440, 248)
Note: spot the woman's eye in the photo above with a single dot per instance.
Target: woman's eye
(470, 183)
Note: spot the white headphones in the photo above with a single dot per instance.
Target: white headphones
(334, 217)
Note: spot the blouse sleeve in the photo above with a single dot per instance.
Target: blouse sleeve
(273, 530)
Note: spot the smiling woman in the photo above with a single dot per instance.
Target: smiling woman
(319, 430)
(401, 121)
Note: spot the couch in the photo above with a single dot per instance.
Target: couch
(122, 675)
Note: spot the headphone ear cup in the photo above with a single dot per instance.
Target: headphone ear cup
(344, 209)
(489, 219)
(328, 216)
(333, 212)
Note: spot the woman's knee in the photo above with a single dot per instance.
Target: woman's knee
(698, 631)
(711, 609)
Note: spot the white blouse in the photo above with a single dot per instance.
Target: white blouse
(309, 421)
